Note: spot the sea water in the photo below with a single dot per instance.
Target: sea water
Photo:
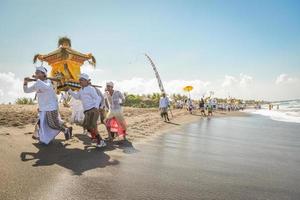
(287, 111)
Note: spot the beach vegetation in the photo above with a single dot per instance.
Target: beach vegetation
(25, 101)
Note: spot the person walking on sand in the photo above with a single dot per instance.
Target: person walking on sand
(202, 107)
(50, 123)
(189, 105)
(114, 100)
(164, 104)
(90, 102)
(209, 108)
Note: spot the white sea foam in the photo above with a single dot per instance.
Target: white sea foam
(289, 111)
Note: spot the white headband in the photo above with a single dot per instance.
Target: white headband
(84, 76)
(41, 69)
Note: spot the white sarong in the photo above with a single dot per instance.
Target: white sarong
(46, 134)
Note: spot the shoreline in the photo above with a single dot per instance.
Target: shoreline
(186, 119)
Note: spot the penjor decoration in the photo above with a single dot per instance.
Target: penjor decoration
(161, 87)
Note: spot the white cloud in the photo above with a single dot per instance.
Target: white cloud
(200, 87)
(139, 85)
(284, 78)
(240, 86)
(147, 86)
(245, 80)
(229, 81)
(11, 87)
(242, 80)
(88, 69)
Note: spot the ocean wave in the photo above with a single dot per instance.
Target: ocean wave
(278, 115)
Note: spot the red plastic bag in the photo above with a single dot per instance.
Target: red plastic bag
(115, 127)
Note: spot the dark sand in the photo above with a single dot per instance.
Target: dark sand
(221, 158)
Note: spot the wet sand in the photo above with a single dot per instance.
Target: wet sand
(221, 158)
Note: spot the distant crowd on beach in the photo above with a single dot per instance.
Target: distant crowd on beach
(206, 106)
(270, 106)
(210, 103)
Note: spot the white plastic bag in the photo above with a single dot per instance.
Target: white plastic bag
(77, 112)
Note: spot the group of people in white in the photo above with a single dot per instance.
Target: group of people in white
(192, 105)
(89, 105)
(165, 105)
(209, 105)
(92, 101)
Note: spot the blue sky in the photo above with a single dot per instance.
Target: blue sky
(188, 40)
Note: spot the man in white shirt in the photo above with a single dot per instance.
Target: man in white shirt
(90, 101)
(163, 107)
(114, 99)
(50, 123)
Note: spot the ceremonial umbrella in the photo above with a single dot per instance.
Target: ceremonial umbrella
(188, 88)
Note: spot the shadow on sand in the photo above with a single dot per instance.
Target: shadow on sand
(75, 159)
(200, 115)
(169, 122)
(126, 146)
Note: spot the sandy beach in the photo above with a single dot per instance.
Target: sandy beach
(20, 154)
(218, 158)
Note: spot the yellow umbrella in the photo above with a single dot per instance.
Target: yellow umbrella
(188, 88)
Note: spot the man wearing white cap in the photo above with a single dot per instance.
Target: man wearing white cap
(164, 104)
(50, 123)
(114, 99)
(90, 101)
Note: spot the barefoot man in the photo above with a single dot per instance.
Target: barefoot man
(50, 123)
(114, 100)
(90, 101)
